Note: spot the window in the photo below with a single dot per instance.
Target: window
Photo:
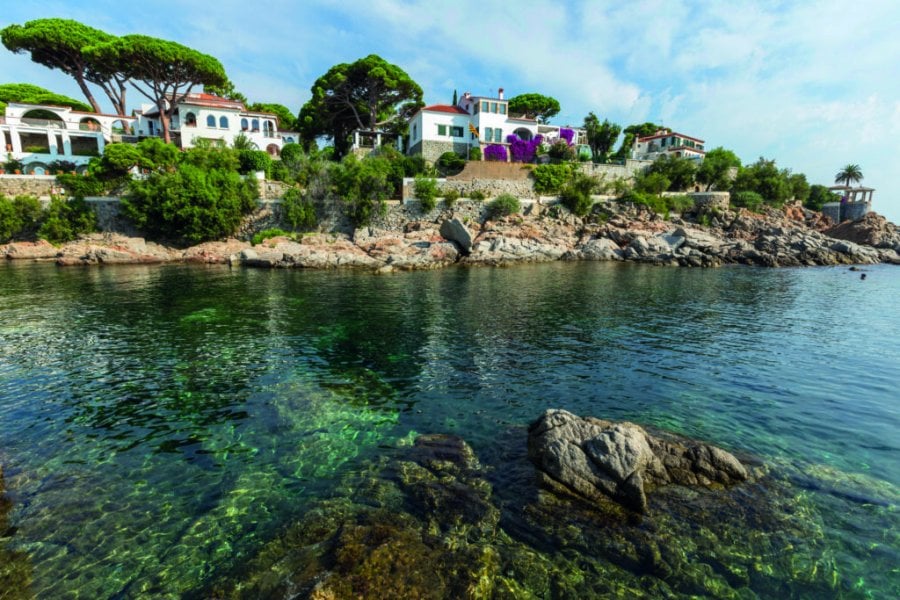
(255, 124)
(494, 107)
(415, 134)
(269, 128)
(442, 130)
(497, 134)
(190, 120)
(476, 109)
(484, 106)
(503, 109)
(210, 121)
(456, 131)
(245, 125)
(488, 134)
(223, 122)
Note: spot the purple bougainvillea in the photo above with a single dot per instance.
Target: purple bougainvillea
(495, 152)
(567, 134)
(521, 150)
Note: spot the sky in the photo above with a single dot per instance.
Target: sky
(813, 85)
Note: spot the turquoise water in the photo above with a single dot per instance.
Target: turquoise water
(159, 424)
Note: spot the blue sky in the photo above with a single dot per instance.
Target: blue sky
(813, 85)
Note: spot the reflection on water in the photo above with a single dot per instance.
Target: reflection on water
(160, 423)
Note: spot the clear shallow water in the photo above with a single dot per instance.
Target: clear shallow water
(158, 424)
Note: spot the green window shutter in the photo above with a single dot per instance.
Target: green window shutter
(488, 134)
(497, 134)
(503, 109)
(442, 130)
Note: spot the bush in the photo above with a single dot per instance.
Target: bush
(254, 160)
(298, 210)
(496, 153)
(576, 193)
(477, 196)
(679, 204)
(819, 195)
(651, 183)
(267, 234)
(561, 151)
(475, 153)
(65, 220)
(503, 206)
(450, 163)
(82, 186)
(194, 203)
(451, 195)
(549, 179)
(19, 217)
(426, 191)
(364, 185)
(61, 166)
(747, 199)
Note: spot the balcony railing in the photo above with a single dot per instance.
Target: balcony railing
(51, 124)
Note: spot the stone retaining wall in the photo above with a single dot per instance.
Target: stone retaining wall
(491, 188)
(611, 171)
(27, 185)
(849, 211)
(477, 169)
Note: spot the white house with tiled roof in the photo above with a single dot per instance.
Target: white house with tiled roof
(206, 116)
(41, 136)
(475, 122)
(668, 142)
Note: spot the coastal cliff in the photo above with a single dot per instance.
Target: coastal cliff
(408, 240)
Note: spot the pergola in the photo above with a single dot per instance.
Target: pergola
(853, 194)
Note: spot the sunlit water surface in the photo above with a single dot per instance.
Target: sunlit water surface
(158, 424)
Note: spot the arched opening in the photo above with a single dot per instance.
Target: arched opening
(273, 150)
(210, 121)
(37, 168)
(268, 128)
(89, 124)
(223, 122)
(43, 117)
(255, 124)
(289, 139)
(245, 125)
(523, 134)
(190, 120)
(124, 128)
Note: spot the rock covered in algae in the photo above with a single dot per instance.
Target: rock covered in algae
(15, 568)
(600, 459)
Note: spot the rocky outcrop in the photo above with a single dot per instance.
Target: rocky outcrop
(791, 237)
(602, 460)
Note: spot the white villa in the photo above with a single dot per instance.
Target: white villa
(666, 141)
(475, 122)
(39, 135)
(206, 116)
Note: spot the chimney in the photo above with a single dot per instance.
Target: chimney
(500, 93)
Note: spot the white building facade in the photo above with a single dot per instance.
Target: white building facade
(206, 116)
(667, 142)
(43, 137)
(475, 122)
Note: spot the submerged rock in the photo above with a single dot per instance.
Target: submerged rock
(601, 460)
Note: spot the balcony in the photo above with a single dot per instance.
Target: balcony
(46, 123)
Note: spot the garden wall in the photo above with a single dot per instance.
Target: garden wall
(30, 185)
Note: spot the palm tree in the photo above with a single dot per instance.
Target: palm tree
(850, 173)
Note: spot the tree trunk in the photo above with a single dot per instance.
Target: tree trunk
(87, 93)
(164, 121)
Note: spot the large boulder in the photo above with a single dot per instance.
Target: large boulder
(601, 460)
(456, 231)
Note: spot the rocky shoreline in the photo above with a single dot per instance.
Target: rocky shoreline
(790, 237)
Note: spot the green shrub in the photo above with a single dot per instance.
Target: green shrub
(477, 196)
(747, 199)
(267, 234)
(254, 160)
(426, 191)
(364, 185)
(64, 220)
(561, 151)
(651, 183)
(19, 217)
(13, 165)
(298, 210)
(475, 153)
(194, 203)
(450, 163)
(576, 193)
(679, 204)
(61, 166)
(549, 179)
(655, 203)
(451, 195)
(503, 206)
(81, 186)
